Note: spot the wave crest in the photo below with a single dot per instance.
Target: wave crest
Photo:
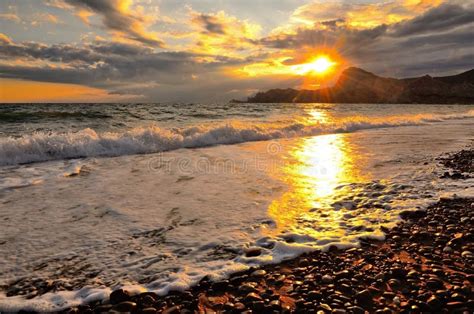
(43, 146)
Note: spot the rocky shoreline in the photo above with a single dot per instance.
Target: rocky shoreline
(424, 265)
(460, 163)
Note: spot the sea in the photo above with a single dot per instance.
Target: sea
(154, 197)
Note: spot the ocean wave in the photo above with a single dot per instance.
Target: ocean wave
(43, 146)
(18, 117)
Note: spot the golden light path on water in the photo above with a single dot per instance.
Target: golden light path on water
(314, 169)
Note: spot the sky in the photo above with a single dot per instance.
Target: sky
(217, 50)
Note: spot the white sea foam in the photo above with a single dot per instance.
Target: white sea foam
(89, 143)
(51, 302)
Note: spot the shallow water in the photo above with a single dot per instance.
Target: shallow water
(298, 179)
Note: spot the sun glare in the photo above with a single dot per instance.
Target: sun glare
(319, 65)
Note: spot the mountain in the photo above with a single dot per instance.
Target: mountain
(359, 86)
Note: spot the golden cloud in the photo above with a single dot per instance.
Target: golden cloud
(222, 34)
(126, 21)
(361, 15)
(5, 39)
(10, 17)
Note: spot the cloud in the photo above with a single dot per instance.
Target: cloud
(338, 36)
(211, 23)
(52, 53)
(32, 19)
(339, 33)
(340, 24)
(222, 34)
(361, 15)
(10, 17)
(440, 18)
(5, 39)
(51, 18)
(121, 49)
(41, 18)
(59, 4)
(103, 63)
(118, 17)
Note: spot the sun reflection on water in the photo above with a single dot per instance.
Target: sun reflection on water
(314, 170)
(316, 116)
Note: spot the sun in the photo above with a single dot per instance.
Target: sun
(319, 65)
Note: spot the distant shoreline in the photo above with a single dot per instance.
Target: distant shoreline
(359, 86)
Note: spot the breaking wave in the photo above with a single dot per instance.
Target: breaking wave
(43, 146)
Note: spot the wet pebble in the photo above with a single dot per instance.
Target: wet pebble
(259, 273)
(253, 251)
(125, 307)
(119, 296)
(327, 279)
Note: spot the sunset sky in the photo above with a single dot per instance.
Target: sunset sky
(214, 50)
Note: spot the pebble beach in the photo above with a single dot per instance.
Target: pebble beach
(423, 266)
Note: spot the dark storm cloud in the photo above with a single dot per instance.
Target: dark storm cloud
(441, 18)
(116, 19)
(210, 23)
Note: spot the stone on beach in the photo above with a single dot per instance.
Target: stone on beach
(119, 296)
(253, 251)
